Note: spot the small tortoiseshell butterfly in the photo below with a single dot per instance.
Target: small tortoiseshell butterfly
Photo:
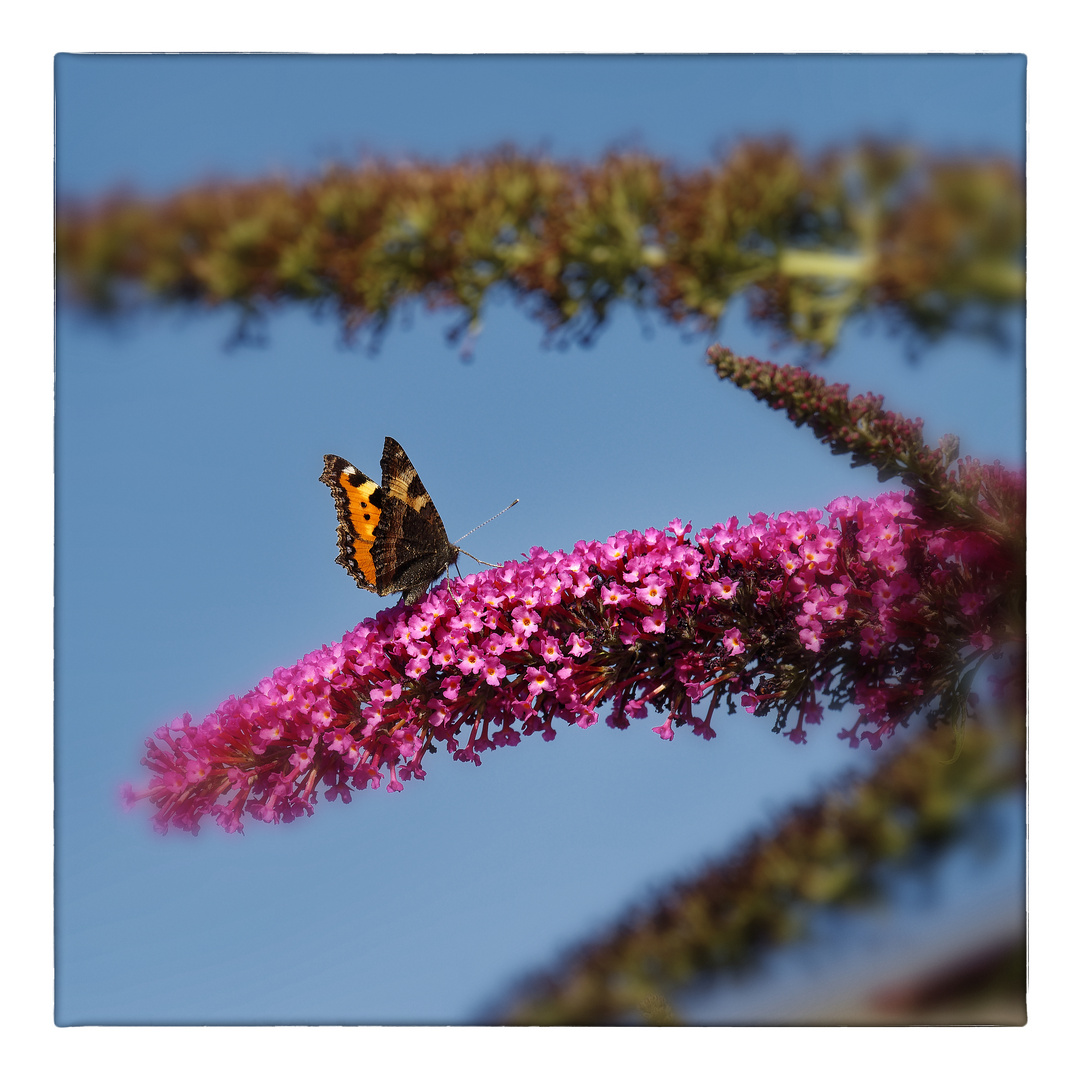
(391, 538)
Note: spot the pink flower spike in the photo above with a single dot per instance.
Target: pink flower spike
(871, 610)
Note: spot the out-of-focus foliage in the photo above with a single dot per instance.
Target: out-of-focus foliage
(935, 244)
(828, 855)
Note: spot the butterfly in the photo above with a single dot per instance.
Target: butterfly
(390, 538)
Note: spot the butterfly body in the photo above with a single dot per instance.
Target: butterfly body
(390, 537)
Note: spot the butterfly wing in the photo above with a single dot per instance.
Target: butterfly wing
(411, 548)
(359, 501)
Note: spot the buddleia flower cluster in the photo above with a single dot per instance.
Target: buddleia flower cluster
(867, 604)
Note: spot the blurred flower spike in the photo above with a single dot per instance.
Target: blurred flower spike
(866, 604)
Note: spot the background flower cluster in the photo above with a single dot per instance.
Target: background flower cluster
(937, 243)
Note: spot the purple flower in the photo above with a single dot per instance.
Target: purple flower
(779, 614)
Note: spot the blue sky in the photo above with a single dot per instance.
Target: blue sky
(195, 545)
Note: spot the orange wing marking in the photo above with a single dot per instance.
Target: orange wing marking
(364, 517)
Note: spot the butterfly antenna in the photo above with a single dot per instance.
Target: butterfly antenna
(480, 526)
